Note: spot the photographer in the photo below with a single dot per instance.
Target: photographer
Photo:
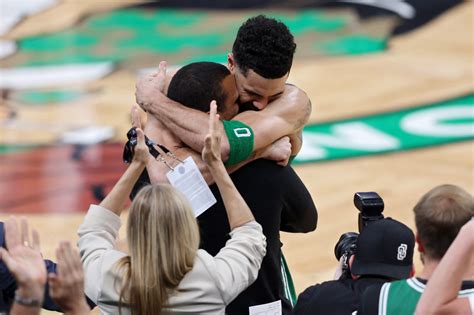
(439, 216)
(382, 252)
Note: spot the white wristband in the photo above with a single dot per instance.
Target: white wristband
(27, 301)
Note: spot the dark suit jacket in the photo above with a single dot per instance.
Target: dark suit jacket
(280, 202)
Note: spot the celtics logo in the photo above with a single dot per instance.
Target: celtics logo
(402, 251)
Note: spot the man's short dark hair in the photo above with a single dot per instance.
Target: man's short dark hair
(197, 84)
(264, 45)
(439, 215)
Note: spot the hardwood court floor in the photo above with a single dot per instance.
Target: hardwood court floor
(427, 65)
(431, 63)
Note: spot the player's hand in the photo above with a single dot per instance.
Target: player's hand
(279, 151)
(149, 89)
(67, 286)
(211, 153)
(23, 259)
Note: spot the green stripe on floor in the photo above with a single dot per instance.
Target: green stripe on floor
(418, 127)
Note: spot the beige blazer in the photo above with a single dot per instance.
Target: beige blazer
(212, 283)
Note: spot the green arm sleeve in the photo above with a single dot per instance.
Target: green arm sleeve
(240, 140)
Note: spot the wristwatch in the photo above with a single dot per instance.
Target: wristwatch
(25, 301)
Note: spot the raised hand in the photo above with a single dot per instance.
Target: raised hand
(237, 209)
(23, 259)
(141, 151)
(135, 117)
(211, 152)
(150, 88)
(67, 286)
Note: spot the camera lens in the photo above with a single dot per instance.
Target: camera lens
(343, 246)
(132, 133)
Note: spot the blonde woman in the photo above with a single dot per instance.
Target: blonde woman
(164, 272)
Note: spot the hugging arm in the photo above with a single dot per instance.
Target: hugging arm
(279, 151)
(188, 124)
(156, 171)
(283, 117)
(299, 213)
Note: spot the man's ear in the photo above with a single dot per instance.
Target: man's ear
(421, 248)
(351, 261)
(413, 271)
(231, 62)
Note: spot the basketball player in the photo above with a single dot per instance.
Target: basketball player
(261, 59)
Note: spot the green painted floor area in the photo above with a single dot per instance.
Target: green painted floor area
(10, 148)
(424, 126)
(183, 36)
(40, 98)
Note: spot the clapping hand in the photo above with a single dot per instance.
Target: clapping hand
(23, 258)
(67, 286)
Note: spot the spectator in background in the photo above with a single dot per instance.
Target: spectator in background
(8, 283)
(439, 215)
(66, 287)
(384, 252)
(23, 258)
(441, 295)
(165, 271)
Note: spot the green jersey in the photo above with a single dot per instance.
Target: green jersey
(401, 297)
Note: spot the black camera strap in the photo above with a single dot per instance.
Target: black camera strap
(129, 149)
(151, 146)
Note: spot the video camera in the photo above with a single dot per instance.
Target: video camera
(371, 206)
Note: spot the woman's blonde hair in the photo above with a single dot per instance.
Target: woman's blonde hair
(163, 239)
